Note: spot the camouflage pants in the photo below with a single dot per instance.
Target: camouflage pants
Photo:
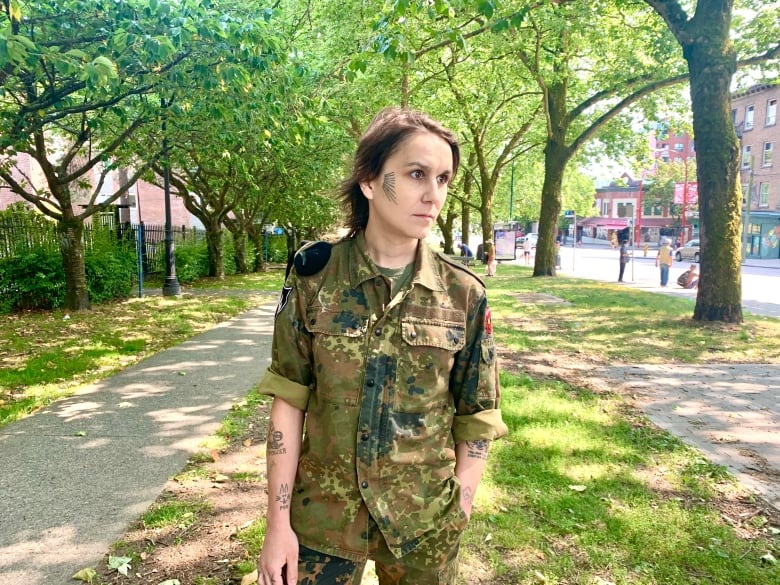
(315, 568)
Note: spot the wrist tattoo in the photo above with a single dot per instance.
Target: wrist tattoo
(388, 186)
(466, 495)
(283, 497)
(275, 441)
(478, 449)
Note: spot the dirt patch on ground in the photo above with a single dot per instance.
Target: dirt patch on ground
(232, 489)
(228, 488)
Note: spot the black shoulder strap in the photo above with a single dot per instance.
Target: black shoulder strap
(310, 258)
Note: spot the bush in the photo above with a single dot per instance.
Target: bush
(32, 280)
(192, 260)
(110, 276)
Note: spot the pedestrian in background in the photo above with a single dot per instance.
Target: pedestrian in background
(624, 258)
(664, 260)
(490, 258)
(384, 377)
(466, 253)
(527, 250)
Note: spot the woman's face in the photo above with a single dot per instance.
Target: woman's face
(404, 200)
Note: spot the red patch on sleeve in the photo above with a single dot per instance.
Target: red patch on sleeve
(488, 322)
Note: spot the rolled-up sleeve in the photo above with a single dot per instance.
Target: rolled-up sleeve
(290, 374)
(275, 385)
(475, 384)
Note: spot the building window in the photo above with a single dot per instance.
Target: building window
(665, 158)
(693, 146)
(625, 210)
(763, 195)
(734, 117)
(771, 112)
(746, 157)
(678, 147)
(652, 210)
(766, 160)
(605, 209)
(749, 113)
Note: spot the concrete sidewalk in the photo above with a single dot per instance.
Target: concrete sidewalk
(75, 475)
(730, 412)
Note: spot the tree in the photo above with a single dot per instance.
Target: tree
(590, 62)
(712, 63)
(77, 76)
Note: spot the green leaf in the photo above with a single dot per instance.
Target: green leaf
(487, 8)
(87, 575)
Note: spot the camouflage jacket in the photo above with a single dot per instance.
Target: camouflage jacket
(388, 386)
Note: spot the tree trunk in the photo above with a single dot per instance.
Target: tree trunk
(556, 155)
(240, 249)
(71, 231)
(256, 237)
(446, 224)
(216, 251)
(712, 63)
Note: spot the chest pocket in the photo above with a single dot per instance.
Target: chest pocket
(429, 346)
(338, 338)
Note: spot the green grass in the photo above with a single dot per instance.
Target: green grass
(578, 492)
(174, 512)
(613, 323)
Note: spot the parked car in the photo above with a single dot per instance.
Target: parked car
(520, 240)
(690, 251)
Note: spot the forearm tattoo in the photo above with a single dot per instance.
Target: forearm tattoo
(478, 449)
(275, 442)
(388, 186)
(283, 497)
(466, 495)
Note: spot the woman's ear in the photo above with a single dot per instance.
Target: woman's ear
(367, 189)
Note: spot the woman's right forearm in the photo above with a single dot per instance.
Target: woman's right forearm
(283, 449)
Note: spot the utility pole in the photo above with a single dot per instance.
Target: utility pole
(748, 247)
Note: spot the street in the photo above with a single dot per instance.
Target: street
(760, 278)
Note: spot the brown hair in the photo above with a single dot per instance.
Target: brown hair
(389, 128)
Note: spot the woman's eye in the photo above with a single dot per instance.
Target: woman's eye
(418, 174)
(444, 179)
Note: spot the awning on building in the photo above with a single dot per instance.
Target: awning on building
(611, 223)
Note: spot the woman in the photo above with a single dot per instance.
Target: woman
(384, 348)
(491, 263)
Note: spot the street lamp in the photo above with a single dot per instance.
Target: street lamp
(171, 286)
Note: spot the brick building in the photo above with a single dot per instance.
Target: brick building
(144, 202)
(754, 112)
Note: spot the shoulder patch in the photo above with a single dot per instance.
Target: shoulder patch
(312, 258)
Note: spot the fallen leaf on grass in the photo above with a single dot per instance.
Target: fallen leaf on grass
(249, 578)
(86, 575)
(578, 488)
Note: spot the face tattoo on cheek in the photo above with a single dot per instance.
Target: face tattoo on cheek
(388, 186)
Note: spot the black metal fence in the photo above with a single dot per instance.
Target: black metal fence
(17, 238)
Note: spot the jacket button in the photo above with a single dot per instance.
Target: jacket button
(413, 335)
(378, 331)
(364, 437)
(364, 484)
(370, 382)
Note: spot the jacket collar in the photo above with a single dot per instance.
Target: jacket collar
(426, 265)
